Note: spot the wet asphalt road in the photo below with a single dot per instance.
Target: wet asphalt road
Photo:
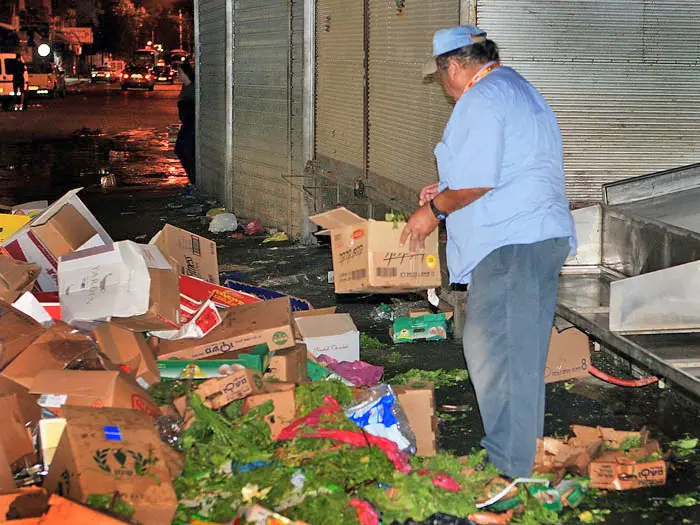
(60, 144)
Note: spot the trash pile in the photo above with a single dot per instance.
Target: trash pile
(138, 388)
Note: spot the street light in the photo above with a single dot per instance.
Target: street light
(44, 50)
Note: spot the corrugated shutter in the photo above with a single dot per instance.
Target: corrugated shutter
(407, 114)
(339, 84)
(267, 124)
(621, 75)
(214, 125)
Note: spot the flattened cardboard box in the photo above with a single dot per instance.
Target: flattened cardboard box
(268, 322)
(195, 256)
(95, 389)
(130, 350)
(289, 365)
(217, 393)
(367, 256)
(16, 277)
(56, 349)
(418, 402)
(569, 355)
(17, 332)
(110, 450)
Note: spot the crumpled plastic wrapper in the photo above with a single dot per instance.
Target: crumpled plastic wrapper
(169, 428)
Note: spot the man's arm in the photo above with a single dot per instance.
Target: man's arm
(450, 201)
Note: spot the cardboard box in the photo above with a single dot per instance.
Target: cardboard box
(111, 451)
(96, 389)
(334, 335)
(282, 397)
(132, 284)
(26, 503)
(217, 393)
(266, 322)
(25, 245)
(130, 350)
(256, 358)
(65, 232)
(195, 255)
(430, 327)
(569, 356)
(26, 401)
(56, 349)
(11, 224)
(289, 365)
(418, 402)
(367, 256)
(617, 470)
(197, 291)
(62, 511)
(314, 312)
(15, 436)
(16, 277)
(50, 432)
(18, 332)
(7, 482)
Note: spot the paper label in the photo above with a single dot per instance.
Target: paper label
(143, 383)
(112, 433)
(52, 400)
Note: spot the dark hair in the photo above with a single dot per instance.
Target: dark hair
(480, 53)
(187, 69)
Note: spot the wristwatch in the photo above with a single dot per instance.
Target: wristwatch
(439, 214)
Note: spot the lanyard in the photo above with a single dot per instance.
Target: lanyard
(481, 74)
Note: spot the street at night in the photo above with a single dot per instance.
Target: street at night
(319, 262)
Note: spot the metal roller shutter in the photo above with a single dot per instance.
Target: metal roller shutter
(339, 80)
(621, 75)
(407, 114)
(267, 110)
(214, 135)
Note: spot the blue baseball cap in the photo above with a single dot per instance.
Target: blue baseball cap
(446, 40)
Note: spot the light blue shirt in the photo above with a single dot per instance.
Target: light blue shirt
(502, 135)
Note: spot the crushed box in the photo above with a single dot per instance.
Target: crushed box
(108, 451)
(56, 349)
(367, 255)
(418, 402)
(18, 332)
(96, 389)
(16, 277)
(133, 285)
(195, 255)
(569, 355)
(15, 436)
(217, 393)
(130, 351)
(283, 401)
(334, 335)
(266, 322)
(26, 245)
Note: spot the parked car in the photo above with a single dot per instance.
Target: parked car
(165, 74)
(103, 74)
(138, 77)
(45, 80)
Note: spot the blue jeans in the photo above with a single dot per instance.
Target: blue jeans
(510, 311)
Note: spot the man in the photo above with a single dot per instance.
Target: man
(20, 79)
(509, 231)
(185, 144)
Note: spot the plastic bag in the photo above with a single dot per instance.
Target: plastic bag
(223, 222)
(378, 412)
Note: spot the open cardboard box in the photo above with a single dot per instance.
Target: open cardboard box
(265, 322)
(67, 225)
(367, 256)
(195, 255)
(130, 351)
(132, 284)
(334, 335)
(56, 349)
(289, 365)
(96, 389)
(107, 451)
(18, 330)
(16, 277)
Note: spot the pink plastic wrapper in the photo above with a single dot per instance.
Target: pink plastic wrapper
(358, 373)
(254, 227)
(366, 514)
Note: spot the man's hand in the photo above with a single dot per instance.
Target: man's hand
(428, 193)
(421, 224)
